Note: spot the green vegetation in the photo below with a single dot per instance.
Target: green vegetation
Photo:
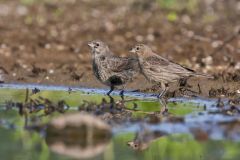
(179, 5)
(21, 144)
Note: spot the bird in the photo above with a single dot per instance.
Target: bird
(109, 69)
(158, 69)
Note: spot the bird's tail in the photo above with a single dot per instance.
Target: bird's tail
(204, 75)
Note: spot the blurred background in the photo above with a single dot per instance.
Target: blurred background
(45, 40)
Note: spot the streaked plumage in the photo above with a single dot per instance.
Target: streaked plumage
(109, 69)
(161, 70)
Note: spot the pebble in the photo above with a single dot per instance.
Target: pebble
(2, 75)
(2, 78)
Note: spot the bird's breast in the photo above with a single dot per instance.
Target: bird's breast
(96, 69)
(101, 72)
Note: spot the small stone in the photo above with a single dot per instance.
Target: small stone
(208, 60)
(3, 73)
(209, 28)
(60, 47)
(237, 66)
(139, 38)
(47, 46)
(186, 19)
(2, 78)
(128, 34)
(51, 71)
(150, 37)
(109, 26)
(22, 10)
(216, 44)
(190, 34)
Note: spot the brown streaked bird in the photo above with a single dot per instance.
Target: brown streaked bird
(110, 69)
(161, 70)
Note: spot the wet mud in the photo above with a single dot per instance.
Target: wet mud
(46, 73)
(39, 47)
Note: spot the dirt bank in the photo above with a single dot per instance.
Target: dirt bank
(45, 41)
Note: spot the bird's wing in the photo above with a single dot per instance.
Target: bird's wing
(161, 64)
(119, 64)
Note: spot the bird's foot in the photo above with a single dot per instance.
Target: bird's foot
(109, 93)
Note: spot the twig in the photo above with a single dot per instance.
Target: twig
(26, 97)
(199, 89)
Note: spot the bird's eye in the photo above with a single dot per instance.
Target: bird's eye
(97, 44)
(137, 48)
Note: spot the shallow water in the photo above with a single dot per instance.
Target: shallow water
(203, 134)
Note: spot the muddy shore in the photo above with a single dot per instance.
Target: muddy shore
(45, 42)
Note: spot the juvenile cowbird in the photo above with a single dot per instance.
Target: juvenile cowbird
(110, 69)
(161, 70)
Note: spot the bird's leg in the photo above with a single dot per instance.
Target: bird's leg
(164, 90)
(112, 102)
(110, 91)
(122, 93)
(182, 82)
(164, 108)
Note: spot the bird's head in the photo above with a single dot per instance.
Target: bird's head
(98, 47)
(141, 50)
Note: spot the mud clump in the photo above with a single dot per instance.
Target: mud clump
(221, 92)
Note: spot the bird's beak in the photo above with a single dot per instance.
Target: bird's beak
(90, 44)
(132, 50)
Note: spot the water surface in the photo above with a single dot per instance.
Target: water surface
(180, 142)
